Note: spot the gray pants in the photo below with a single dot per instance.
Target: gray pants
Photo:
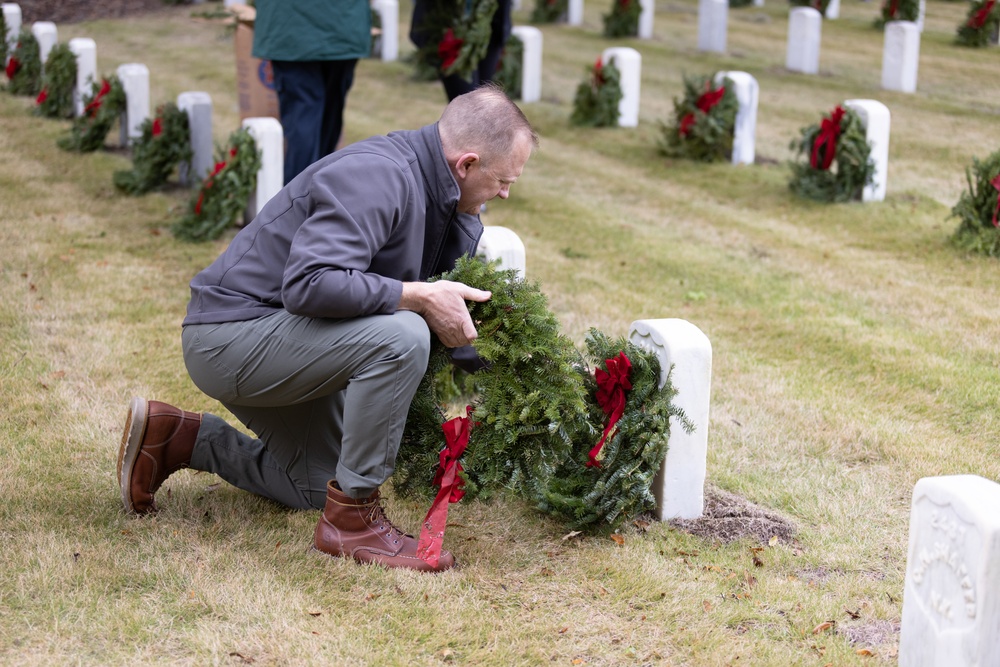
(326, 398)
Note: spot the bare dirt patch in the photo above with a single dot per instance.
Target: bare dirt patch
(729, 517)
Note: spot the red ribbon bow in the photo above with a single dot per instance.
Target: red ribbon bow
(157, 127)
(456, 436)
(449, 49)
(12, 66)
(598, 73)
(996, 212)
(829, 131)
(611, 387)
(95, 104)
(209, 182)
(978, 19)
(705, 102)
(42, 96)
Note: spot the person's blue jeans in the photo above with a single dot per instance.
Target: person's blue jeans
(311, 99)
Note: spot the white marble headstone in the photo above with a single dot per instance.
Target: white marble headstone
(875, 117)
(900, 56)
(679, 486)
(198, 107)
(270, 140)
(574, 12)
(951, 595)
(712, 18)
(747, 92)
(629, 63)
(85, 50)
(503, 244)
(832, 10)
(388, 11)
(47, 36)
(531, 62)
(135, 82)
(646, 19)
(12, 19)
(805, 25)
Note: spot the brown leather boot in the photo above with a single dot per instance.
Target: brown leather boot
(359, 529)
(158, 441)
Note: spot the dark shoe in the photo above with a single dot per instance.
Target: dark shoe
(158, 441)
(359, 529)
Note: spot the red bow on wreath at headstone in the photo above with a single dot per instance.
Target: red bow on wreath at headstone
(95, 104)
(705, 102)
(157, 127)
(893, 8)
(829, 132)
(42, 96)
(611, 387)
(996, 212)
(449, 49)
(598, 73)
(209, 182)
(978, 20)
(12, 66)
(456, 437)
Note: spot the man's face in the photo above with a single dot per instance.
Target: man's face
(479, 185)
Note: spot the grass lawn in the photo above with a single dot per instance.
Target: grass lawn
(855, 351)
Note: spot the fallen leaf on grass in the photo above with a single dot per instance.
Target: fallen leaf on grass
(372, 596)
(245, 659)
(706, 605)
(853, 614)
(563, 631)
(643, 526)
(619, 540)
(773, 541)
(864, 651)
(570, 535)
(825, 625)
(315, 613)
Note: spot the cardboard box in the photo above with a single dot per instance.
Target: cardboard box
(254, 79)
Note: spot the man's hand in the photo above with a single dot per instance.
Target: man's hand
(442, 305)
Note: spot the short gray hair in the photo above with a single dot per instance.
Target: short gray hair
(484, 121)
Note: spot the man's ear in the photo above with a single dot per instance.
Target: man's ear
(464, 163)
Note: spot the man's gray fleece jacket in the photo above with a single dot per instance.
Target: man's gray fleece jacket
(342, 237)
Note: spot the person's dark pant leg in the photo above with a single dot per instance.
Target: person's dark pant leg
(301, 90)
(338, 77)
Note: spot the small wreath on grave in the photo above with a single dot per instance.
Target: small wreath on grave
(538, 410)
(549, 11)
(58, 84)
(980, 24)
(978, 208)
(740, 3)
(703, 123)
(225, 192)
(897, 10)
(165, 143)
(459, 36)
(818, 5)
(597, 98)
(508, 74)
(3, 38)
(837, 162)
(24, 70)
(101, 110)
(623, 20)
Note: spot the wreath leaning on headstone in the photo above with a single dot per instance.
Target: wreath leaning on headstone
(549, 11)
(459, 35)
(623, 19)
(58, 84)
(836, 164)
(818, 5)
(3, 38)
(508, 74)
(703, 122)
(897, 10)
(24, 69)
(165, 143)
(101, 110)
(225, 192)
(980, 24)
(978, 208)
(597, 98)
(539, 410)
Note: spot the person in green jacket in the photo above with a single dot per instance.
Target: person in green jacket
(313, 46)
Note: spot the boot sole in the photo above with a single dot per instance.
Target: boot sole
(135, 429)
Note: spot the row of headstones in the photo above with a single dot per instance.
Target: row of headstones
(951, 599)
(266, 132)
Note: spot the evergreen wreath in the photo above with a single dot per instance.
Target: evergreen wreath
(3, 39)
(459, 33)
(623, 20)
(703, 123)
(597, 98)
(818, 5)
(740, 3)
(24, 70)
(165, 142)
(837, 164)
(538, 412)
(508, 74)
(897, 10)
(224, 193)
(58, 84)
(980, 24)
(549, 11)
(102, 109)
(978, 208)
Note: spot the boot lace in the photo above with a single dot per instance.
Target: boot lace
(378, 517)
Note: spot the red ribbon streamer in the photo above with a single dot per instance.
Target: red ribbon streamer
(705, 102)
(829, 131)
(611, 387)
(456, 436)
(95, 104)
(996, 212)
(978, 19)
(449, 49)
